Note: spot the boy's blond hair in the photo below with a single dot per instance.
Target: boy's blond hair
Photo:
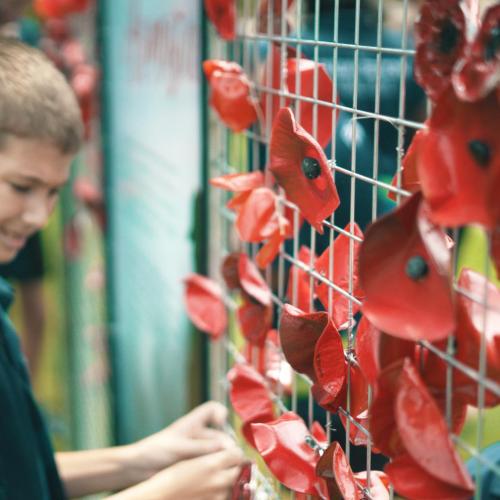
(36, 101)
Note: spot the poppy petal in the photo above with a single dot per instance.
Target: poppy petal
(299, 333)
(205, 305)
(379, 484)
(284, 446)
(341, 275)
(241, 489)
(239, 182)
(478, 73)
(255, 321)
(301, 279)
(404, 252)
(237, 202)
(440, 41)
(212, 65)
(334, 467)
(222, 13)
(414, 483)
(252, 282)
(459, 161)
(300, 166)
(229, 270)
(424, 431)
(269, 250)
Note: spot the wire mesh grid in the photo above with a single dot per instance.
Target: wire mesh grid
(367, 48)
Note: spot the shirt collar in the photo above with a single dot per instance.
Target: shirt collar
(6, 294)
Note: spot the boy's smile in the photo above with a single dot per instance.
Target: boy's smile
(31, 174)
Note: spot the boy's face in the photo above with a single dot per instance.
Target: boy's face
(31, 174)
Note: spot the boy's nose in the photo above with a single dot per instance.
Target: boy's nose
(37, 212)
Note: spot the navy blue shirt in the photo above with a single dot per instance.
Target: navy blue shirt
(27, 467)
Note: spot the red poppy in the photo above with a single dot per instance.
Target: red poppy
(319, 434)
(91, 196)
(254, 320)
(299, 74)
(409, 174)
(424, 432)
(230, 272)
(404, 268)
(84, 81)
(478, 73)
(341, 276)
(459, 162)
(284, 444)
(300, 166)
(239, 182)
(59, 8)
(250, 397)
(471, 327)
(300, 279)
(276, 15)
(252, 282)
(205, 305)
(334, 467)
(269, 250)
(222, 13)
(230, 94)
(440, 41)
(237, 202)
(375, 350)
(495, 250)
(241, 489)
(413, 482)
(379, 484)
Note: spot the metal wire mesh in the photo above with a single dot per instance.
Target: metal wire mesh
(382, 63)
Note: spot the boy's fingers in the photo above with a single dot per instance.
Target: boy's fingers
(207, 433)
(228, 458)
(211, 413)
(227, 478)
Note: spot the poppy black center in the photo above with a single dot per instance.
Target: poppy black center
(481, 152)
(310, 167)
(493, 45)
(416, 268)
(448, 38)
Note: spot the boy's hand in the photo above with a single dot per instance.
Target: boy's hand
(193, 435)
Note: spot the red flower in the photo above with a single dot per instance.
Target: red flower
(229, 270)
(250, 397)
(252, 282)
(478, 73)
(404, 267)
(239, 182)
(341, 276)
(59, 8)
(376, 350)
(301, 168)
(379, 484)
(205, 306)
(269, 250)
(300, 279)
(470, 329)
(285, 446)
(230, 95)
(303, 70)
(334, 467)
(222, 13)
(440, 42)
(459, 162)
(412, 481)
(241, 489)
(255, 321)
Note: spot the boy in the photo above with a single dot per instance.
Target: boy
(40, 132)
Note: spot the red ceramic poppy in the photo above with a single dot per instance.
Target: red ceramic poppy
(239, 182)
(334, 467)
(237, 202)
(319, 434)
(471, 315)
(300, 166)
(222, 13)
(254, 320)
(229, 270)
(440, 40)
(424, 432)
(409, 174)
(250, 397)
(404, 268)
(59, 8)
(205, 305)
(459, 162)
(269, 250)
(375, 350)
(252, 282)
(478, 73)
(299, 79)
(284, 444)
(241, 489)
(379, 484)
(276, 10)
(330, 366)
(340, 275)
(212, 65)
(300, 279)
(495, 250)
(299, 333)
(230, 95)
(414, 483)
